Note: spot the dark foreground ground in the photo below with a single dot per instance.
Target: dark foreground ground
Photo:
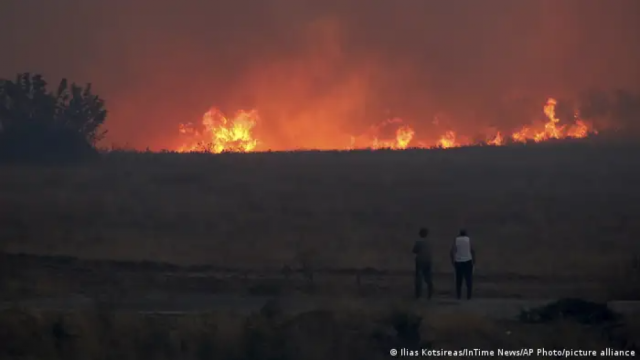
(67, 308)
(168, 256)
(350, 330)
(555, 210)
(29, 276)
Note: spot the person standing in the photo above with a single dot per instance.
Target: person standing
(423, 261)
(463, 258)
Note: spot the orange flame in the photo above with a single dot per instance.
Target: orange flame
(403, 136)
(496, 140)
(448, 140)
(222, 134)
(551, 129)
(521, 136)
(578, 130)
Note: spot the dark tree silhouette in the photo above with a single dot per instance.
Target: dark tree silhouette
(37, 125)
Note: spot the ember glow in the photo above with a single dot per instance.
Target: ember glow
(219, 133)
(372, 139)
(448, 140)
(552, 129)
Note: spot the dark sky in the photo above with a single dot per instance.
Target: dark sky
(329, 65)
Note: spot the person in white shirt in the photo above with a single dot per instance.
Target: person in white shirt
(463, 259)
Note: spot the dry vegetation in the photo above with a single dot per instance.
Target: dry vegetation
(344, 332)
(558, 210)
(543, 215)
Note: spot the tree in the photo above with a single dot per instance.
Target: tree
(37, 125)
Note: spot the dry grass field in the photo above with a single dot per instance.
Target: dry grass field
(344, 332)
(557, 211)
(551, 220)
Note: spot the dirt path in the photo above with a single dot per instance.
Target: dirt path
(200, 289)
(492, 308)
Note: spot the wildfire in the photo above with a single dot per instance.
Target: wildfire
(551, 129)
(221, 133)
(448, 140)
(372, 138)
(404, 135)
(579, 130)
(496, 140)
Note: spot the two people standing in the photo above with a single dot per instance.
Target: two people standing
(462, 256)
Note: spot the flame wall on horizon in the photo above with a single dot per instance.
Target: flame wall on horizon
(321, 72)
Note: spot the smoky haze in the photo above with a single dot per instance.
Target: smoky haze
(323, 69)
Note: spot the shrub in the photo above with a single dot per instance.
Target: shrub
(41, 126)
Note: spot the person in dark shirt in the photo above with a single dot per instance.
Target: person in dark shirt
(423, 261)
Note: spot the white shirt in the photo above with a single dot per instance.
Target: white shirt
(463, 249)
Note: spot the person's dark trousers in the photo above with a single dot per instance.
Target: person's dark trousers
(423, 274)
(464, 272)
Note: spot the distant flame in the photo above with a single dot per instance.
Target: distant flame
(551, 129)
(496, 140)
(221, 133)
(448, 140)
(404, 135)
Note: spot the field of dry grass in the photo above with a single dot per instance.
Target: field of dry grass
(549, 211)
(545, 219)
(342, 332)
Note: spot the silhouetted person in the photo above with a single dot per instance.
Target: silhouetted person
(422, 250)
(463, 258)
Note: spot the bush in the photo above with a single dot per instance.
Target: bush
(41, 126)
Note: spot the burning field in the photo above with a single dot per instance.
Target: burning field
(337, 210)
(517, 109)
(221, 133)
(400, 75)
(508, 119)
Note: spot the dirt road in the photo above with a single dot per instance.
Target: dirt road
(45, 282)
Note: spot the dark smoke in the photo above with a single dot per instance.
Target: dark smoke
(482, 63)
